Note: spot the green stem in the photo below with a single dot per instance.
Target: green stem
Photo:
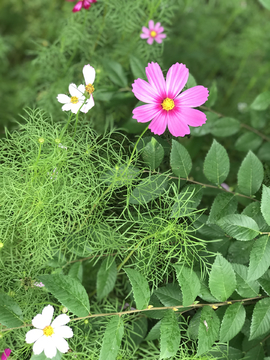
(135, 147)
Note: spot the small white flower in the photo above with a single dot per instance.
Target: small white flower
(76, 100)
(89, 74)
(49, 336)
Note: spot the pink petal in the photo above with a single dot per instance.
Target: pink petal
(158, 39)
(145, 92)
(146, 113)
(86, 4)
(191, 117)
(176, 125)
(159, 123)
(78, 6)
(176, 79)
(151, 25)
(156, 79)
(144, 36)
(193, 97)
(5, 354)
(145, 30)
(156, 27)
(150, 40)
(160, 29)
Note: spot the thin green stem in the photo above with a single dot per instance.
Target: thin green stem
(135, 147)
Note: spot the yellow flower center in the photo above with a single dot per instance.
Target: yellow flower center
(74, 99)
(89, 88)
(48, 331)
(153, 33)
(168, 104)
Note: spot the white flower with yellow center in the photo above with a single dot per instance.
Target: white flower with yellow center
(76, 100)
(49, 336)
(89, 75)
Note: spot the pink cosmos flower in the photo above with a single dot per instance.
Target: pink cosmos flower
(5, 354)
(165, 107)
(153, 33)
(82, 4)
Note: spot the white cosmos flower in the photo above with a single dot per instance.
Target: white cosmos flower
(89, 74)
(76, 100)
(49, 336)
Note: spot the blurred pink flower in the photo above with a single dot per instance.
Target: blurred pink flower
(82, 4)
(153, 33)
(165, 107)
(5, 354)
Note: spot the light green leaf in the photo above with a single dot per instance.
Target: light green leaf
(265, 204)
(262, 101)
(187, 201)
(180, 160)
(250, 174)
(240, 227)
(224, 204)
(232, 322)
(10, 312)
(169, 335)
(112, 339)
(212, 95)
(259, 258)
(248, 141)
(149, 189)
(205, 293)
(115, 72)
(225, 127)
(137, 67)
(189, 282)
(68, 291)
(76, 271)
(264, 281)
(216, 164)
(245, 288)
(260, 322)
(140, 288)
(154, 333)
(222, 282)
(169, 295)
(153, 154)
(208, 329)
(106, 278)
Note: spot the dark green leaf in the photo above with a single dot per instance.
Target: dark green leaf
(240, 227)
(208, 329)
(232, 322)
(189, 282)
(112, 339)
(264, 281)
(245, 288)
(248, 141)
(191, 81)
(224, 204)
(205, 128)
(137, 67)
(239, 251)
(212, 95)
(193, 327)
(225, 127)
(264, 152)
(169, 295)
(106, 278)
(180, 160)
(76, 271)
(169, 335)
(10, 312)
(115, 72)
(260, 322)
(140, 288)
(154, 333)
(153, 154)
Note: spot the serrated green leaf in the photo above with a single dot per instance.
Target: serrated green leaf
(112, 339)
(153, 154)
(180, 160)
(224, 204)
(193, 327)
(169, 335)
(222, 282)
(259, 258)
(10, 311)
(225, 127)
(248, 141)
(140, 288)
(253, 210)
(264, 152)
(106, 278)
(76, 271)
(169, 295)
(68, 291)
(264, 281)
(223, 352)
(212, 95)
(216, 164)
(205, 293)
(232, 322)
(187, 201)
(265, 204)
(208, 329)
(149, 189)
(262, 101)
(245, 288)
(138, 331)
(240, 227)
(260, 322)
(250, 174)
(256, 353)
(137, 67)
(211, 231)
(189, 283)
(115, 72)
(239, 251)
(154, 333)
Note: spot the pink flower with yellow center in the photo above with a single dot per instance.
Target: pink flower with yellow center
(82, 4)
(153, 33)
(165, 105)
(49, 336)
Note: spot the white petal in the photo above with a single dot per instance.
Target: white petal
(43, 319)
(33, 335)
(81, 88)
(74, 91)
(63, 99)
(39, 345)
(60, 320)
(89, 74)
(75, 107)
(60, 343)
(64, 331)
(50, 348)
(67, 107)
(89, 104)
